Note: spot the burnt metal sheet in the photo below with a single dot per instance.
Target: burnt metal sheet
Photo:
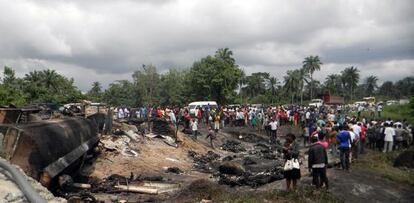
(47, 146)
(9, 115)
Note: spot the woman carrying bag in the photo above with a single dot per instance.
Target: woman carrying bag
(291, 155)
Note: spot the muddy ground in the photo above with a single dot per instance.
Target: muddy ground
(192, 184)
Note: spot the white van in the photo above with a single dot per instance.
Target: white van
(316, 103)
(203, 104)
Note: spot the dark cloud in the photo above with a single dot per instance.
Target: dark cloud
(110, 39)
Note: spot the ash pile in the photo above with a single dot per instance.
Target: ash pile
(161, 126)
(254, 166)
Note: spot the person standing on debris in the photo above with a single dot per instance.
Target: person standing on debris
(126, 113)
(120, 113)
(343, 138)
(172, 117)
(291, 155)
(317, 163)
(194, 128)
(217, 121)
(273, 131)
(212, 135)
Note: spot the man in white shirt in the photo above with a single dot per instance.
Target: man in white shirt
(379, 110)
(352, 144)
(194, 128)
(389, 138)
(120, 113)
(307, 115)
(126, 113)
(273, 131)
(357, 130)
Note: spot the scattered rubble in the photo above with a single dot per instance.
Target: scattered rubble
(245, 158)
(203, 162)
(10, 192)
(175, 170)
(233, 146)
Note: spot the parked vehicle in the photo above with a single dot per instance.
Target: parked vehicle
(333, 100)
(203, 104)
(392, 102)
(316, 103)
(369, 100)
(360, 103)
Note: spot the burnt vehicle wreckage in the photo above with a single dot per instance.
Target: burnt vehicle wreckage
(45, 147)
(55, 148)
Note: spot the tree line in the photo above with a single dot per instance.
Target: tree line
(214, 77)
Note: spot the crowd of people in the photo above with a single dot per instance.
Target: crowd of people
(327, 129)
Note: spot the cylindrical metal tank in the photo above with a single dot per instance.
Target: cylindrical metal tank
(46, 148)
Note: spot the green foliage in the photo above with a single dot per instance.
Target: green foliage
(49, 86)
(381, 165)
(370, 85)
(122, 93)
(256, 84)
(210, 78)
(172, 88)
(95, 93)
(11, 89)
(213, 78)
(310, 65)
(350, 78)
(395, 112)
(37, 87)
(146, 83)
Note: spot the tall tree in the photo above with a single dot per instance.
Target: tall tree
(294, 83)
(122, 93)
(172, 88)
(213, 78)
(350, 78)
(310, 65)
(95, 93)
(405, 87)
(333, 84)
(226, 55)
(370, 85)
(256, 84)
(10, 89)
(386, 89)
(273, 84)
(146, 80)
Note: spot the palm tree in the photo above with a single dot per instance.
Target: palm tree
(350, 79)
(95, 92)
(294, 82)
(226, 55)
(387, 88)
(371, 84)
(310, 65)
(50, 78)
(273, 83)
(333, 83)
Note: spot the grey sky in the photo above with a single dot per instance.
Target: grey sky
(107, 40)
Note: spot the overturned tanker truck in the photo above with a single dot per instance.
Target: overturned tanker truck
(45, 149)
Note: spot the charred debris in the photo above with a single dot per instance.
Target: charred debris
(55, 147)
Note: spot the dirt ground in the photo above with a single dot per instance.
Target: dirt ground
(154, 156)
